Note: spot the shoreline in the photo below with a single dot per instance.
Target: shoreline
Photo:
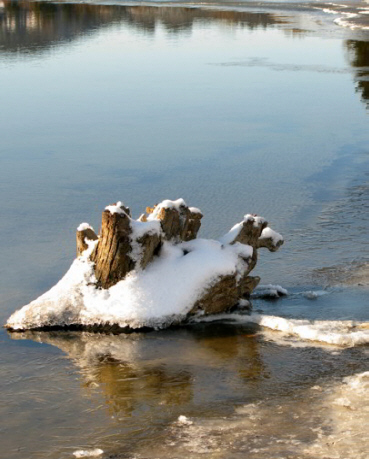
(348, 15)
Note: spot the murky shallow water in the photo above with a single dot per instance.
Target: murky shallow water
(236, 111)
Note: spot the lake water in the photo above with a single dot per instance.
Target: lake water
(236, 107)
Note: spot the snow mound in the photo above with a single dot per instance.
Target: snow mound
(159, 296)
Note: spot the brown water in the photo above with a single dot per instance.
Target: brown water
(263, 109)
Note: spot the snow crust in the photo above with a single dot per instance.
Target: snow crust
(342, 333)
(84, 226)
(160, 295)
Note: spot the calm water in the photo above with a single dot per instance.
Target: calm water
(237, 109)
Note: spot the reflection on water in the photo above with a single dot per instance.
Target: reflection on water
(149, 380)
(359, 59)
(30, 27)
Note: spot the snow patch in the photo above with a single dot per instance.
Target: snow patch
(184, 420)
(269, 291)
(313, 295)
(88, 452)
(344, 21)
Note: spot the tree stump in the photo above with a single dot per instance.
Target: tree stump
(125, 244)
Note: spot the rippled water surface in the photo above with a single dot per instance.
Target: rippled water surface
(236, 108)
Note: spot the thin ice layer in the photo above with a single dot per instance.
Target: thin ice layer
(343, 333)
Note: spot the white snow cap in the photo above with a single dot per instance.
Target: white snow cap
(116, 209)
(195, 210)
(166, 204)
(268, 233)
(84, 226)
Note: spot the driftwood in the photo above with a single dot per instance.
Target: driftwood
(121, 248)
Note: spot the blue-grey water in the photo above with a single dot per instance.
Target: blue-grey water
(236, 107)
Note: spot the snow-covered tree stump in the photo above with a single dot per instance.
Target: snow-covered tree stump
(151, 272)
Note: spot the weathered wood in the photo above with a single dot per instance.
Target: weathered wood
(220, 297)
(112, 253)
(269, 243)
(179, 225)
(193, 226)
(150, 245)
(247, 285)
